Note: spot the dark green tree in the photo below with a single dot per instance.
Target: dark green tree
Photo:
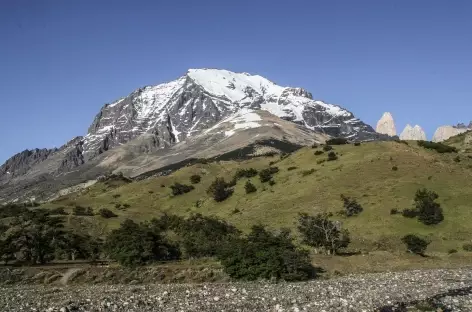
(249, 187)
(195, 179)
(351, 206)
(219, 190)
(139, 243)
(429, 211)
(320, 232)
(266, 255)
(415, 244)
(180, 189)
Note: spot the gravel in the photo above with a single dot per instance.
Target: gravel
(442, 290)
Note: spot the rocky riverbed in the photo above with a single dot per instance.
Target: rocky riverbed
(429, 290)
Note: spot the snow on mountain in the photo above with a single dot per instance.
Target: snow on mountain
(200, 99)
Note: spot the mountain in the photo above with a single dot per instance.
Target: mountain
(152, 121)
(386, 125)
(413, 133)
(445, 132)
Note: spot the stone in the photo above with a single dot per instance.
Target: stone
(413, 133)
(386, 125)
(445, 132)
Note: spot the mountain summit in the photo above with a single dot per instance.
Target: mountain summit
(206, 112)
(184, 107)
(386, 125)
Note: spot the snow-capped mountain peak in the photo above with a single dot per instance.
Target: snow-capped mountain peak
(195, 102)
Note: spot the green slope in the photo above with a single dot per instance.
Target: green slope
(363, 172)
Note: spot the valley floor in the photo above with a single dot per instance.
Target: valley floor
(418, 290)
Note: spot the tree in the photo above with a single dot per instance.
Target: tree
(137, 244)
(351, 206)
(219, 190)
(107, 213)
(332, 156)
(180, 189)
(266, 255)
(249, 187)
(266, 174)
(195, 179)
(415, 244)
(320, 232)
(35, 236)
(429, 211)
(203, 236)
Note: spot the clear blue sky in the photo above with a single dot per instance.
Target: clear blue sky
(60, 61)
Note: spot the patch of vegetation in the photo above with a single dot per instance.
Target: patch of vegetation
(320, 161)
(452, 251)
(292, 168)
(58, 211)
(265, 175)
(332, 156)
(82, 211)
(439, 147)
(402, 142)
(180, 189)
(394, 168)
(12, 210)
(308, 172)
(467, 247)
(139, 243)
(351, 206)
(394, 211)
(195, 178)
(429, 211)
(415, 244)
(327, 148)
(249, 187)
(271, 182)
(322, 233)
(317, 153)
(219, 189)
(107, 213)
(357, 143)
(266, 255)
(457, 159)
(337, 141)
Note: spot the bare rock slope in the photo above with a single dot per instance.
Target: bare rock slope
(386, 125)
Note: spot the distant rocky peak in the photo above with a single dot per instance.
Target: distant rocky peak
(386, 125)
(413, 133)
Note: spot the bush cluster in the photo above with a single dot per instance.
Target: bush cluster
(82, 211)
(332, 156)
(220, 190)
(249, 187)
(265, 175)
(439, 147)
(317, 153)
(351, 206)
(327, 148)
(415, 244)
(337, 141)
(107, 213)
(195, 179)
(180, 189)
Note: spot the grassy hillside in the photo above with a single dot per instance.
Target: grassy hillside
(363, 172)
(462, 141)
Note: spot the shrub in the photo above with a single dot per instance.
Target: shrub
(357, 144)
(204, 236)
(429, 211)
(332, 156)
(82, 211)
(402, 142)
(249, 187)
(245, 173)
(457, 159)
(351, 206)
(452, 251)
(116, 195)
(219, 190)
(337, 141)
(319, 153)
(271, 182)
(415, 244)
(266, 255)
(394, 168)
(394, 211)
(307, 172)
(265, 175)
(126, 206)
(58, 211)
(180, 189)
(137, 244)
(327, 148)
(439, 147)
(467, 247)
(409, 213)
(314, 145)
(195, 178)
(319, 162)
(320, 232)
(106, 213)
(118, 206)
(291, 168)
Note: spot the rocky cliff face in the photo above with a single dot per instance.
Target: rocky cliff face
(413, 133)
(386, 125)
(445, 132)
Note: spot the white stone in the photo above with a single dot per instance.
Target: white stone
(413, 133)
